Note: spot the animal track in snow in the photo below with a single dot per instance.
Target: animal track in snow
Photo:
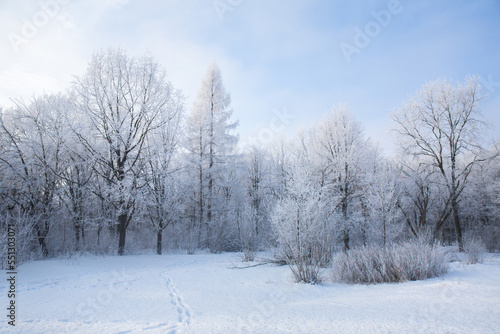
(184, 313)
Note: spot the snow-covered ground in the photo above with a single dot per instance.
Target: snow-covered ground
(203, 293)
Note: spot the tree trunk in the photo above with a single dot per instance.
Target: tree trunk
(41, 238)
(43, 245)
(456, 223)
(346, 239)
(99, 228)
(201, 203)
(211, 238)
(159, 236)
(346, 229)
(77, 234)
(122, 228)
(454, 203)
(384, 231)
(344, 206)
(78, 227)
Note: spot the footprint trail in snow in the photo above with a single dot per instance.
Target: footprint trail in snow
(183, 310)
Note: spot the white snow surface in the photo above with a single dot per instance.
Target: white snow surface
(203, 293)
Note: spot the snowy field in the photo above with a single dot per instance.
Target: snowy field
(203, 293)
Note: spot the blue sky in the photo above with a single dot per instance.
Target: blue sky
(274, 55)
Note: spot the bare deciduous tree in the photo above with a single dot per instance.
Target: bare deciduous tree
(33, 137)
(298, 221)
(441, 125)
(382, 197)
(341, 147)
(162, 192)
(121, 99)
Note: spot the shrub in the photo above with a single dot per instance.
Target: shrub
(308, 267)
(474, 248)
(26, 247)
(408, 261)
(302, 228)
(304, 272)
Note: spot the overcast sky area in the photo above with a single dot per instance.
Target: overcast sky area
(298, 58)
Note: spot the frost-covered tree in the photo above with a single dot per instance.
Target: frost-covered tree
(441, 125)
(77, 192)
(341, 148)
(254, 229)
(382, 194)
(120, 100)
(299, 224)
(163, 191)
(422, 204)
(33, 137)
(279, 155)
(481, 202)
(210, 145)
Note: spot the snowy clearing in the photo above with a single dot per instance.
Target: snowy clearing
(203, 293)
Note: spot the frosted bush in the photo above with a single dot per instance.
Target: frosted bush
(398, 263)
(308, 268)
(474, 248)
(248, 254)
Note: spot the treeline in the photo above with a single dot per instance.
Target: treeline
(117, 163)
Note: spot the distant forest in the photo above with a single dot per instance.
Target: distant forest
(118, 163)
